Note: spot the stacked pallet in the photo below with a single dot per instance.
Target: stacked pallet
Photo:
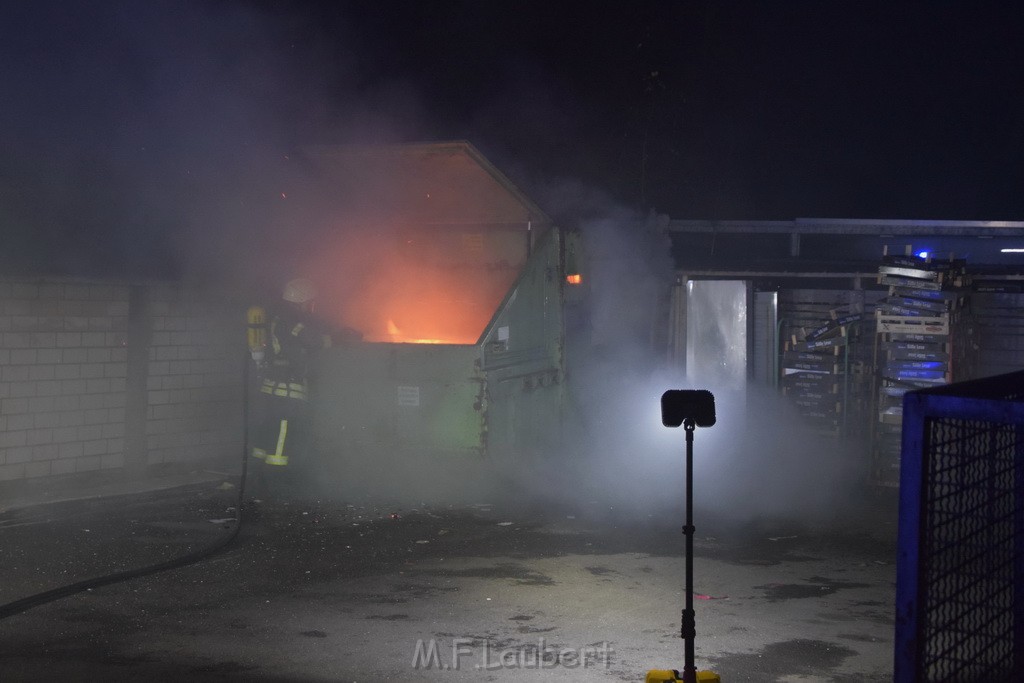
(918, 338)
(818, 374)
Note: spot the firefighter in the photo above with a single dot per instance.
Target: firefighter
(282, 424)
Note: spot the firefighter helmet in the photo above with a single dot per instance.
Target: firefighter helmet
(299, 291)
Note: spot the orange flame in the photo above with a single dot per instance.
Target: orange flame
(399, 338)
(395, 289)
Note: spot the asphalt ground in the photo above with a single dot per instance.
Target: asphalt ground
(375, 591)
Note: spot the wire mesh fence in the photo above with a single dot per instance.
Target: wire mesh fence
(960, 572)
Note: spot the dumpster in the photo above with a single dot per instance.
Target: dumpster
(460, 308)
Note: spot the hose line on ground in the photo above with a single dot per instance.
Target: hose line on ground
(19, 606)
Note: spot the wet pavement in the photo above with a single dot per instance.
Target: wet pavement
(371, 591)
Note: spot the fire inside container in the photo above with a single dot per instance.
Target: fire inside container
(439, 288)
(423, 243)
(456, 282)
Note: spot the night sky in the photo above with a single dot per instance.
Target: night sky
(130, 128)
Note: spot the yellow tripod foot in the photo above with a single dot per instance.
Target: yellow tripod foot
(671, 675)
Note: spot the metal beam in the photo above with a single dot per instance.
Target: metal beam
(740, 274)
(854, 226)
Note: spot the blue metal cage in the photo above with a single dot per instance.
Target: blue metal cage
(960, 575)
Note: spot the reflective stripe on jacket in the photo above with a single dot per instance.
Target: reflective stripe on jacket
(284, 389)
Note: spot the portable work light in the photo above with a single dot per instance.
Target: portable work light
(678, 405)
(690, 409)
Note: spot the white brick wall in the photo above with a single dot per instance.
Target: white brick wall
(197, 356)
(63, 370)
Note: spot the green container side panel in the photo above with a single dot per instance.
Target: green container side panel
(456, 424)
(524, 420)
(401, 397)
(523, 359)
(526, 330)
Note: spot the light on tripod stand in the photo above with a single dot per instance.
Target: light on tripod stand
(689, 409)
(679, 405)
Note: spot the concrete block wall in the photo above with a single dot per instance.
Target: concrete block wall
(115, 377)
(197, 357)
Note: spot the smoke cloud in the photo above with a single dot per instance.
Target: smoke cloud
(162, 139)
(759, 462)
(156, 138)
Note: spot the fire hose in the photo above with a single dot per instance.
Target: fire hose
(18, 606)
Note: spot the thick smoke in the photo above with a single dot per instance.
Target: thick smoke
(759, 462)
(157, 138)
(160, 139)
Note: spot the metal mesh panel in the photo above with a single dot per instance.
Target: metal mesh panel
(968, 544)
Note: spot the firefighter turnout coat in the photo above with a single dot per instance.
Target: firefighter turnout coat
(282, 428)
